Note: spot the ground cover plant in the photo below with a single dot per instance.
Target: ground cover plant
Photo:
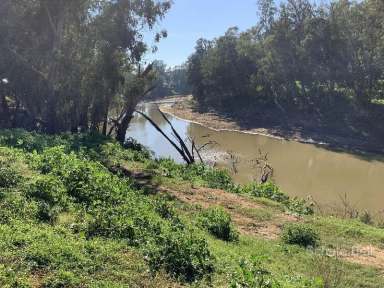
(72, 214)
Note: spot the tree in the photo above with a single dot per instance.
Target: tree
(299, 58)
(69, 62)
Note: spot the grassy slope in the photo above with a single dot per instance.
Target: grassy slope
(67, 221)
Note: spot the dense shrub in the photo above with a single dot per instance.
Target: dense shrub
(300, 234)
(9, 177)
(62, 279)
(251, 274)
(196, 173)
(14, 206)
(86, 181)
(265, 190)
(51, 196)
(165, 209)
(218, 222)
(182, 253)
(271, 191)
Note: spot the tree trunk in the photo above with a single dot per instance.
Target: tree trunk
(123, 126)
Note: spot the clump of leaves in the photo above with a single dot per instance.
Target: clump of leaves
(202, 174)
(8, 176)
(61, 279)
(51, 196)
(267, 190)
(300, 234)
(218, 222)
(251, 274)
(182, 253)
(270, 190)
(366, 218)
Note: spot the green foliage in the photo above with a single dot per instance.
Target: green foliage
(300, 58)
(267, 190)
(169, 81)
(51, 196)
(104, 232)
(300, 234)
(181, 253)
(251, 274)
(165, 209)
(218, 222)
(271, 191)
(100, 204)
(207, 176)
(95, 72)
(8, 176)
(62, 279)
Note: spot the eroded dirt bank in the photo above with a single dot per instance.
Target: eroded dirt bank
(300, 130)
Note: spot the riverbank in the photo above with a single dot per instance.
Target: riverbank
(300, 130)
(83, 211)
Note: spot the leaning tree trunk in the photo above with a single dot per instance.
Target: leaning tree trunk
(124, 124)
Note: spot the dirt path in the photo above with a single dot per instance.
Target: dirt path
(242, 211)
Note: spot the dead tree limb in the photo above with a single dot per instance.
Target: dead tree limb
(187, 157)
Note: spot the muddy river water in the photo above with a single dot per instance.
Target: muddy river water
(299, 169)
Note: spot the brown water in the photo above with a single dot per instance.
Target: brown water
(299, 169)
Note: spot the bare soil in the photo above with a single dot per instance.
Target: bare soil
(269, 229)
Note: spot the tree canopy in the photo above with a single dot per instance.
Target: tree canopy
(67, 64)
(300, 57)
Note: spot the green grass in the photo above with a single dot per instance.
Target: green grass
(67, 221)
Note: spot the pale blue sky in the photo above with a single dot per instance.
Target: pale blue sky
(189, 20)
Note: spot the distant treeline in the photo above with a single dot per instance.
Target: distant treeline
(169, 81)
(299, 57)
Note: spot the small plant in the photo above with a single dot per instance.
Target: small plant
(165, 209)
(267, 190)
(300, 234)
(8, 176)
(51, 196)
(62, 279)
(183, 254)
(218, 222)
(251, 274)
(366, 218)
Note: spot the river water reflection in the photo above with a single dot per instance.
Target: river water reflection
(299, 169)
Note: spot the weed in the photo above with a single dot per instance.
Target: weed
(218, 222)
(300, 234)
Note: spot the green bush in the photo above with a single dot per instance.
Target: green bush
(204, 175)
(300, 234)
(9, 177)
(88, 182)
(165, 209)
(271, 191)
(62, 279)
(182, 253)
(218, 223)
(51, 196)
(265, 190)
(251, 274)
(15, 206)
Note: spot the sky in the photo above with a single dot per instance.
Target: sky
(189, 20)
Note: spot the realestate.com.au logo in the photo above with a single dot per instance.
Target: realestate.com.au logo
(339, 252)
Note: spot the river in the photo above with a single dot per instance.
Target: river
(302, 170)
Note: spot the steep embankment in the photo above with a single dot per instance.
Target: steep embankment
(82, 211)
(271, 123)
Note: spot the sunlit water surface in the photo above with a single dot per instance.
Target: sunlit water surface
(299, 169)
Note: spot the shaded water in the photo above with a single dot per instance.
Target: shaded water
(299, 169)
